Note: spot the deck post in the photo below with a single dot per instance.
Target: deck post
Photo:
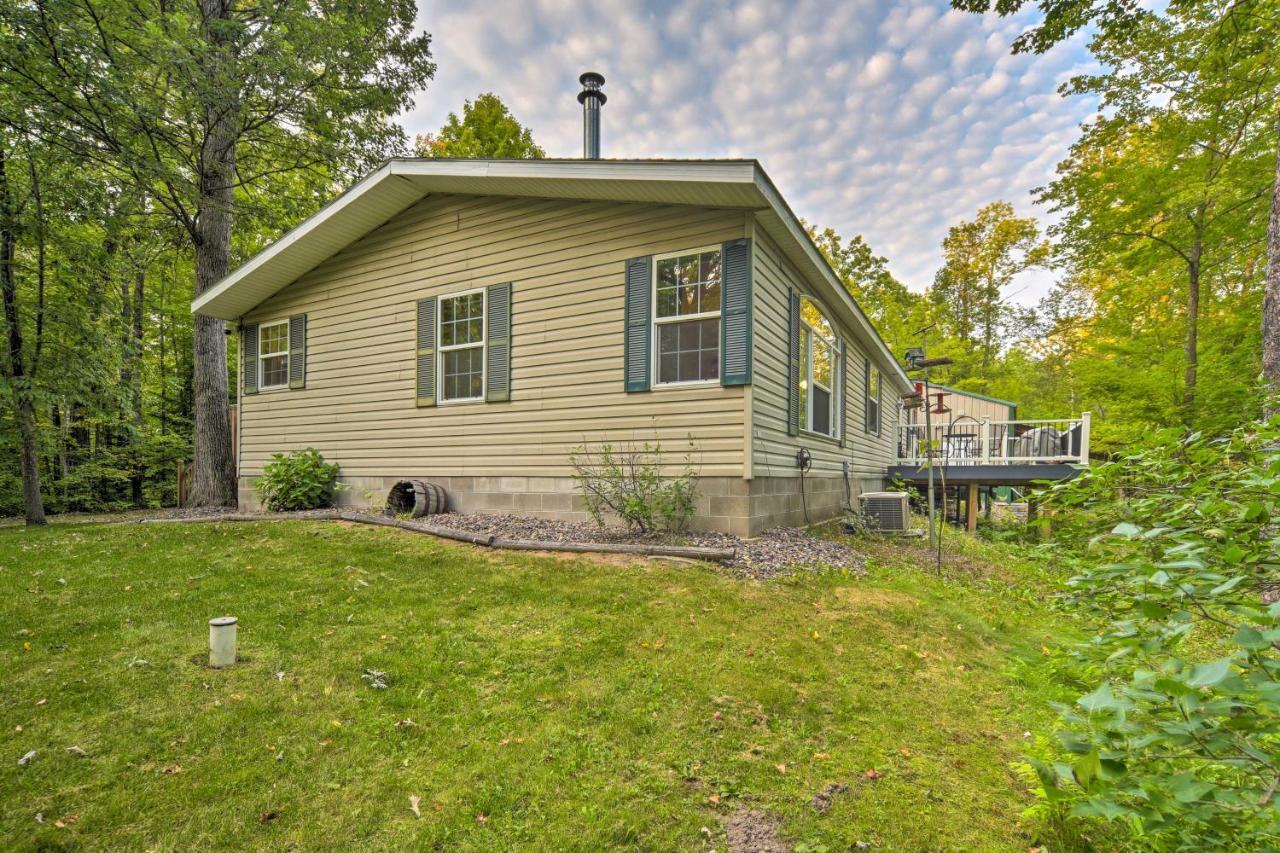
(984, 440)
(971, 508)
(1084, 438)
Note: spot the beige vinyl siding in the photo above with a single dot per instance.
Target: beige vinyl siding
(774, 450)
(565, 260)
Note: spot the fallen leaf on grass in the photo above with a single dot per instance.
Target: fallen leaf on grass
(413, 806)
(63, 822)
(438, 806)
(906, 752)
(406, 723)
(26, 759)
(41, 702)
(172, 770)
(873, 774)
(714, 799)
(482, 818)
(781, 768)
(822, 756)
(77, 751)
(267, 817)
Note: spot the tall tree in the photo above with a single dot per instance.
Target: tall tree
(21, 363)
(895, 311)
(199, 109)
(1178, 167)
(486, 130)
(1227, 47)
(980, 259)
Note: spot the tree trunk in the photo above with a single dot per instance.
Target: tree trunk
(135, 356)
(19, 381)
(1271, 299)
(214, 475)
(1193, 334)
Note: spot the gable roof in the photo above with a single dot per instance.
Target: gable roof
(397, 184)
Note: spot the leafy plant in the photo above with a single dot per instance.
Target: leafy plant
(1179, 737)
(297, 481)
(626, 480)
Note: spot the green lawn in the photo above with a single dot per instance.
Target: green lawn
(556, 703)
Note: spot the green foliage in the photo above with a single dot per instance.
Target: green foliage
(627, 481)
(486, 130)
(981, 258)
(297, 481)
(1179, 734)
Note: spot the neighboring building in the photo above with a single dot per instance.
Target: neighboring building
(957, 405)
(472, 322)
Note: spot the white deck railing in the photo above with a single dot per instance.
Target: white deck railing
(970, 441)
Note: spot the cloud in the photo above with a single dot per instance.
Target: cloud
(889, 118)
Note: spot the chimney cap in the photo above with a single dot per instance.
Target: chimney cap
(591, 82)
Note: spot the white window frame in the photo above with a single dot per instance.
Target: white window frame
(873, 370)
(834, 392)
(262, 386)
(484, 347)
(657, 321)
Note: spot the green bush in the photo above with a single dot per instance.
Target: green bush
(626, 480)
(1177, 554)
(297, 481)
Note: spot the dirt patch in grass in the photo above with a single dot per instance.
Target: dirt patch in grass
(749, 831)
(822, 800)
(875, 598)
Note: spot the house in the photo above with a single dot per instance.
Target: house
(472, 322)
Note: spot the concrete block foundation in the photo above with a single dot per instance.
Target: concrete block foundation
(724, 504)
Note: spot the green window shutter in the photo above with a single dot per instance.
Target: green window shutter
(426, 353)
(793, 363)
(842, 400)
(636, 320)
(498, 331)
(735, 312)
(249, 361)
(298, 351)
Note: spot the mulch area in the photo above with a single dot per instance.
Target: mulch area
(774, 552)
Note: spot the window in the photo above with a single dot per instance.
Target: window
(462, 347)
(819, 396)
(273, 355)
(687, 320)
(873, 399)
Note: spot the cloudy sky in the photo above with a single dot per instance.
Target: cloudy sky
(889, 118)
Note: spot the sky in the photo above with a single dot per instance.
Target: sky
(893, 120)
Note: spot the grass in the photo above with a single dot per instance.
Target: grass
(556, 703)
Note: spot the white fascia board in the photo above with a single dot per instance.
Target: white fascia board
(223, 301)
(818, 264)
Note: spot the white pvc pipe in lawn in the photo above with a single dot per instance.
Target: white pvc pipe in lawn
(222, 641)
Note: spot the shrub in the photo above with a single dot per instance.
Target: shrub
(297, 481)
(626, 480)
(1176, 551)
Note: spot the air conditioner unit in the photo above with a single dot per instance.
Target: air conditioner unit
(886, 510)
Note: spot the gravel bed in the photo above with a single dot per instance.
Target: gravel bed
(772, 553)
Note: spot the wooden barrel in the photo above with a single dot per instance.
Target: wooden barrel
(417, 498)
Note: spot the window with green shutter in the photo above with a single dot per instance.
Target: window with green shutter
(735, 313)
(249, 358)
(425, 353)
(636, 323)
(498, 357)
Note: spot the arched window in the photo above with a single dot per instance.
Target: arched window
(819, 371)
